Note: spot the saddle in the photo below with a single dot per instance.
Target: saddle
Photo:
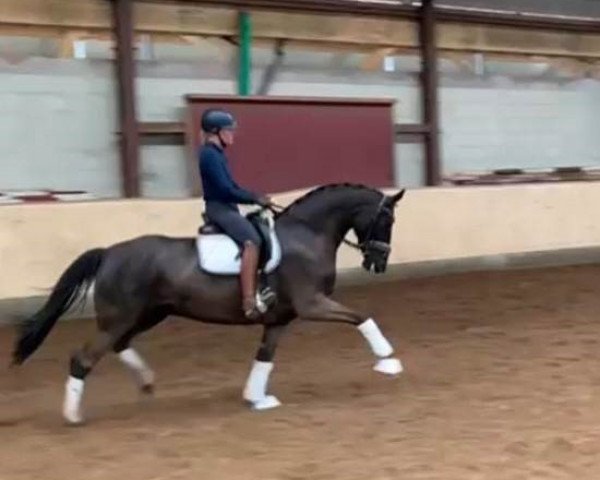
(218, 254)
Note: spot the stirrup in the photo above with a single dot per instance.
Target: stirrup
(252, 313)
(263, 301)
(267, 297)
(256, 310)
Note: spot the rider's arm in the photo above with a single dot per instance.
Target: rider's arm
(218, 175)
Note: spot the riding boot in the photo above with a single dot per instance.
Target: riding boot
(248, 281)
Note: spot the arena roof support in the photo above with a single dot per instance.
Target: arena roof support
(390, 10)
(327, 7)
(125, 75)
(429, 92)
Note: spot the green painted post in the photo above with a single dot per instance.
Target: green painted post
(245, 54)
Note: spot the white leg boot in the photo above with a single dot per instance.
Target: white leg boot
(72, 403)
(143, 373)
(381, 348)
(255, 391)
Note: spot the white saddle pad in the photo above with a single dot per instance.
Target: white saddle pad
(218, 254)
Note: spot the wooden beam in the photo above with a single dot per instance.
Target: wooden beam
(66, 45)
(125, 76)
(429, 92)
(81, 14)
(387, 9)
(161, 128)
(374, 61)
(477, 38)
(411, 132)
(28, 17)
(411, 129)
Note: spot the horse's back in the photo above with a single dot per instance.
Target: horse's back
(143, 259)
(153, 240)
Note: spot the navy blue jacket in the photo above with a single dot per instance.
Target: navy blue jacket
(217, 182)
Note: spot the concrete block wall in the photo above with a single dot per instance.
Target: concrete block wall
(57, 124)
(58, 118)
(510, 124)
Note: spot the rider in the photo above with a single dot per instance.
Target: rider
(222, 194)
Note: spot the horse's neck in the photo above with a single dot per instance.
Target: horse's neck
(333, 215)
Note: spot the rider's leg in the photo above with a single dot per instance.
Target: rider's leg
(245, 235)
(248, 276)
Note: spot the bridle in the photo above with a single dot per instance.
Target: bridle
(368, 245)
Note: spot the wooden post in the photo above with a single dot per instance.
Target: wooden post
(429, 94)
(125, 73)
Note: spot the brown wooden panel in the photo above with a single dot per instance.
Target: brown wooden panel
(161, 128)
(290, 143)
(174, 21)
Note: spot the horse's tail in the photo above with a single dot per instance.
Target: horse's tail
(77, 277)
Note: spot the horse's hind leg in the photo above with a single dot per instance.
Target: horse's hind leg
(143, 374)
(82, 363)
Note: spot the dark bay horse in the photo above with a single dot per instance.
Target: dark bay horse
(139, 282)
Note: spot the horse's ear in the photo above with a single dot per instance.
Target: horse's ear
(394, 199)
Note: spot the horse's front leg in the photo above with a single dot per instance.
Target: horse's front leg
(321, 308)
(255, 390)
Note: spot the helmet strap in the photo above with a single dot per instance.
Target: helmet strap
(221, 142)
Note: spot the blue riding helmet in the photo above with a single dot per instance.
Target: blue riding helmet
(214, 120)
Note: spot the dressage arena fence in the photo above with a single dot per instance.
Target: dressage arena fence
(441, 230)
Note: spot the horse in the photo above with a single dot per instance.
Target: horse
(139, 282)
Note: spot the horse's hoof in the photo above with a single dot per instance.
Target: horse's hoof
(266, 403)
(148, 389)
(389, 366)
(73, 420)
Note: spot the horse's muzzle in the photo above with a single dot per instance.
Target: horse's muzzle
(375, 256)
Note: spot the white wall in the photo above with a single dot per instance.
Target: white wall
(37, 242)
(58, 117)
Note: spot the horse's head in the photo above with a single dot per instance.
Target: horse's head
(374, 232)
